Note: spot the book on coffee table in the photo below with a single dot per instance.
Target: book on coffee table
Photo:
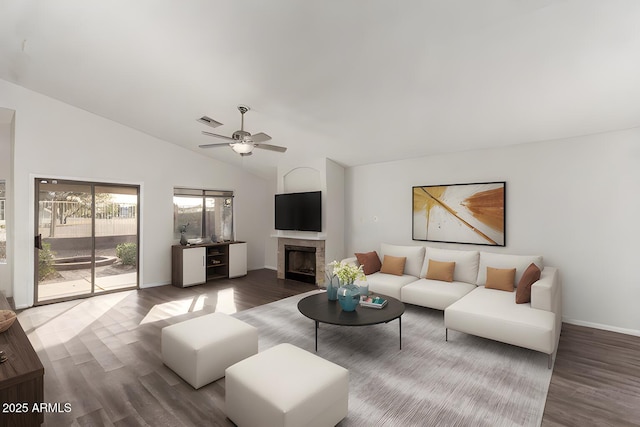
(372, 301)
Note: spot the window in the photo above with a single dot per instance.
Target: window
(203, 215)
(3, 223)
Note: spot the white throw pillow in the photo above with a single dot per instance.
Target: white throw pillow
(413, 254)
(466, 269)
(519, 262)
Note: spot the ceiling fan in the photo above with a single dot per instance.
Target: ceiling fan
(241, 141)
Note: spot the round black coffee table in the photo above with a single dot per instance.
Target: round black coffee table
(318, 308)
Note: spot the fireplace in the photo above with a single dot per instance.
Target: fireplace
(300, 263)
(301, 260)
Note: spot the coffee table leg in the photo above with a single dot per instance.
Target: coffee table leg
(399, 330)
(316, 336)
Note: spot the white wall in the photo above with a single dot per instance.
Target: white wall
(574, 201)
(53, 139)
(271, 242)
(6, 131)
(334, 211)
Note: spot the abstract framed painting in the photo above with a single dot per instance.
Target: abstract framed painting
(460, 213)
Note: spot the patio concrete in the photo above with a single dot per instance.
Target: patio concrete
(81, 286)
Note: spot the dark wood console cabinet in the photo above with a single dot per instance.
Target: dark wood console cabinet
(21, 377)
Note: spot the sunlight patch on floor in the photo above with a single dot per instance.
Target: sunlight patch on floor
(58, 323)
(222, 301)
(226, 301)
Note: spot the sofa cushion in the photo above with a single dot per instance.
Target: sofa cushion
(519, 262)
(502, 279)
(530, 276)
(413, 254)
(492, 314)
(434, 293)
(440, 270)
(369, 261)
(388, 284)
(393, 265)
(466, 263)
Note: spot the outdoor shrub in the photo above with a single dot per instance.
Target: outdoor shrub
(128, 253)
(45, 262)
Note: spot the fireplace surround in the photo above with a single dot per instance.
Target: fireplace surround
(303, 258)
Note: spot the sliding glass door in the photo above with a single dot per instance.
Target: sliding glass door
(86, 239)
(116, 234)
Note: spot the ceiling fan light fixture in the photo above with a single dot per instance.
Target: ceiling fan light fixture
(241, 141)
(242, 147)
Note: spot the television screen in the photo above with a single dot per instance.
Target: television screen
(299, 211)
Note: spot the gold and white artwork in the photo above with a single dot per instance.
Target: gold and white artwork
(461, 213)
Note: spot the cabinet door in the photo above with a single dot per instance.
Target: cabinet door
(237, 259)
(193, 266)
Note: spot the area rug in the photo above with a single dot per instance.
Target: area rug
(467, 381)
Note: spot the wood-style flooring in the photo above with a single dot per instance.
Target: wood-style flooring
(595, 381)
(102, 356)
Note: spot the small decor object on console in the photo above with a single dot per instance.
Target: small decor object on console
(349, 293)
(7, 317)
(372, 301)
(183, 237)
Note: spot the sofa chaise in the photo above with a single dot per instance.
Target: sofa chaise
(477, 291)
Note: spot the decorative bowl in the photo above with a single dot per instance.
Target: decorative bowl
(7, 317)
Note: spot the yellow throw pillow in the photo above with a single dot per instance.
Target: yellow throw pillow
(393, 265)
(440, 270)
(502, 279)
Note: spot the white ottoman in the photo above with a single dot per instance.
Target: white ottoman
(286, 386)
(200, 349)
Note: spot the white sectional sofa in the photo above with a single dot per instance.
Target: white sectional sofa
(468, 305)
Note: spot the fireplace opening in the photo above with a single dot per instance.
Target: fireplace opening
(300, 263)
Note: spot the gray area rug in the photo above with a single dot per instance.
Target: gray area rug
(467, 381)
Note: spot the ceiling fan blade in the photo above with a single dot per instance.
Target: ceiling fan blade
(260, 137)
(204, 132)
(271, 147)
(216, 144)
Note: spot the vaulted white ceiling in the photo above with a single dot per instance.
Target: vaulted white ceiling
(358, 81)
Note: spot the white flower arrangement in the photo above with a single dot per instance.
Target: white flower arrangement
(347, 272)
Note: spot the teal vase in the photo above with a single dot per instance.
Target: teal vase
(349, 297)
(332, 288)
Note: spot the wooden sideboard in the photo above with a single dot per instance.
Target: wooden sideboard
(197, 264)
(21, 377)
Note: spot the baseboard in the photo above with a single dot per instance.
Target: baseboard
(269, 267)
(154, 285)
(626, 331)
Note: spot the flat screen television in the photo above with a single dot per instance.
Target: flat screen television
(299, 211)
